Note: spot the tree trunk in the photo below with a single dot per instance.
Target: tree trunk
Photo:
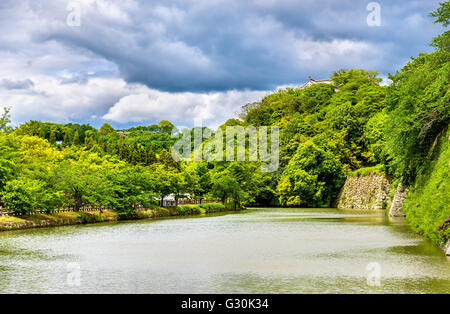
(77, 205)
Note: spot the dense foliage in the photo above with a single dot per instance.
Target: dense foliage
(427, 205)
(416, 135)
(115, 168)
(326, 130)
(418, 106)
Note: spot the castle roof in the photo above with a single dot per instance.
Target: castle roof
(312, 81)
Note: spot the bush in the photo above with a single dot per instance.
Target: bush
(212, 207)
(184, 210)
(88, 218)
(362, 172)
(19, 196)
(25, 196)
(196, 209)
(127, 214)
(160, 212)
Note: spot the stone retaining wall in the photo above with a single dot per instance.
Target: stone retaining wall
(365, 192)
(397, 203)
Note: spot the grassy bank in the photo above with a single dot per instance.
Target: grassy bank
(74, 218)
(367, 171)
(427, 206)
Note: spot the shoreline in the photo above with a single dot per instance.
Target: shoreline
(71, 218)
(32, 221)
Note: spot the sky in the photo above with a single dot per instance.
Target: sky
(131, 62)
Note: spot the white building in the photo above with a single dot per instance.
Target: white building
(312, 81)
(168, 201)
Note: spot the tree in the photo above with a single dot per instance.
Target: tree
(233, 181)
(9, 158)
(137, 154)
(151, 156)
(76, 138)
(198, 179)
(225, 186)
(92, 133)
(163, 181)
(90, 143)
(123, 152)
(442, 15)
(52, 139)
(178, 182)
(418, 109)
(6, 171)
(166, 126)
(375, 138)
(66, 141)
(147, 181)
(165, 158)
(106, 129)
(5, 120)
(83, 180)
(20, 196)
(128, 187)
(25, 195)
(313, 177)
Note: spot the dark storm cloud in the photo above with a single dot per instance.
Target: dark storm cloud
(16, 84)
(136, 61)
(223, 45)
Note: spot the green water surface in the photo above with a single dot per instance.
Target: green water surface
(263, 250)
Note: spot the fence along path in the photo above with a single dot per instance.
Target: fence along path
(88, 207)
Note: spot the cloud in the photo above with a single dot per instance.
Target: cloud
(133, 61)
(75, 78)
(203, 46)
(19, 84)
(210, 108)
(97, 100)
(50, 100)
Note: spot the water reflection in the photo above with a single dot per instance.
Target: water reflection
(257, 251)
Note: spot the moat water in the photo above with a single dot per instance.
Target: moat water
(265, 250)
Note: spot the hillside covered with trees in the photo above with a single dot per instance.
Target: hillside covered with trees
(327, 131)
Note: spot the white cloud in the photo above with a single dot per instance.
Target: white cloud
(338, 53)
(182, 108)
(50, 100)
(137, 61)
(96, 100)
